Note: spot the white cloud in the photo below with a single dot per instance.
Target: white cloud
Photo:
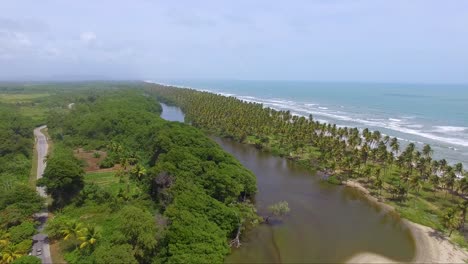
(11, 38)
(22, 39)
(88, 37)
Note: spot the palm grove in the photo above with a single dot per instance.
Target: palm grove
(394, 173)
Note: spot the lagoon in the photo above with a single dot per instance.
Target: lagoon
(327, 223)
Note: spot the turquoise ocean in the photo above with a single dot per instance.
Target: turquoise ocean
(421, 113)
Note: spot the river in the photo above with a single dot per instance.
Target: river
(327, 223)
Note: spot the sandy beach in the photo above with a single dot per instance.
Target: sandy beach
(432, 246)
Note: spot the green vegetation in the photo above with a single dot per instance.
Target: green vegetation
(18, 200)
(63, 176)
(419, 187)
(174, 195)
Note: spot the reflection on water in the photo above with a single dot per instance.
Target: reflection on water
(326, 224)
(172, 113)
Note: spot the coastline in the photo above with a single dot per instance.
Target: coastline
(432, 246)
(450, 149)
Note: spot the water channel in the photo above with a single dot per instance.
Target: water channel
(327, 223)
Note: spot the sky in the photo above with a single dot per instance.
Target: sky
(323, 40)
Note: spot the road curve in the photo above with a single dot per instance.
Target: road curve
(41, 248)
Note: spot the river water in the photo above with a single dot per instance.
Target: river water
(327, 223)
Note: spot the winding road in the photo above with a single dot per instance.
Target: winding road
(41, 248)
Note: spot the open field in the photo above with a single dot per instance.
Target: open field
(109, 181)
(20, 98)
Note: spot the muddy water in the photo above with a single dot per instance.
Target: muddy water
(327, 223)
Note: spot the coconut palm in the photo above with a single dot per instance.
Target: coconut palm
(4, 238)
(434, 179)
(459, 168)
(139, 171)
(427, 151)
(89, 237)
(450, 220)
(395, 146)
(415, 183)
(11, 253)
(378, 184)
(72, 230)
(462, 207)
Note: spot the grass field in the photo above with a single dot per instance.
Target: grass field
(14, 98)
(26, 104)
(111, 182)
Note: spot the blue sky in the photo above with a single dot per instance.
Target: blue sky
(326, 40)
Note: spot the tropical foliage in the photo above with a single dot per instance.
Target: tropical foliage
(397, 171)
(181, 197)
(18, 200)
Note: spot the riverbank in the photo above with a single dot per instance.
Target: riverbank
(320, 146)
(432, 246)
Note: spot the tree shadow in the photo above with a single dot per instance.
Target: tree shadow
(437, 235)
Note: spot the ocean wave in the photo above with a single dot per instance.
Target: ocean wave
(396, 124)
(445, 129)
(415, 126)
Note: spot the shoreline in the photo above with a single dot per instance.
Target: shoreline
(432, 246)
(450, 147)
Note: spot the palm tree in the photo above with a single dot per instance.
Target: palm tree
(415, 183)
(378, 184)
(450, 220)
(434, 179)
(10, 254)
(89, 237)
(139, 171)
(4, 238)
(72, 230)
(462, 207)
(449, 180)
(395, 146)
(459, 169)
(427, 151)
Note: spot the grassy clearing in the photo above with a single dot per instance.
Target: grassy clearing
(15, 98)
(111, 182)
(37, 113)
(27, 104)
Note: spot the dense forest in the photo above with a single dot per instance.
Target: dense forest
(162, 192)
(428, 191)
(18, 199)
(178, 196)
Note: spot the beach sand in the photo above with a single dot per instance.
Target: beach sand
(431, 246)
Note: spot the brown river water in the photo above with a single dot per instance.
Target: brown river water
(327, 223)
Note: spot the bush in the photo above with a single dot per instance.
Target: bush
(27, 260)
(106, 163)
(333, 179)
(21, 232)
